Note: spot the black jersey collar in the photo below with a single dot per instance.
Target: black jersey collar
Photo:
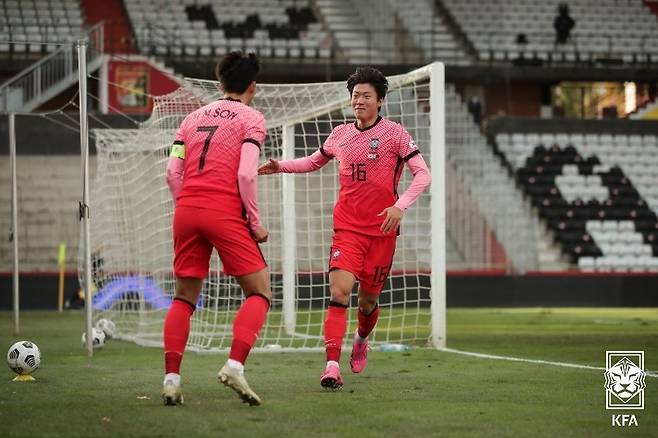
(369, 127)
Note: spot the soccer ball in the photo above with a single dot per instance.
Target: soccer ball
(107, 327)
(98, 338)
(24, 357)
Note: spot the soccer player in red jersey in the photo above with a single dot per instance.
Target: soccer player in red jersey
(371, 153)
(212, 175)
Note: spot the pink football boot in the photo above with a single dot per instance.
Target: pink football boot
(331, 379)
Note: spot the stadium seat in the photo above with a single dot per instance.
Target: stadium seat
(28, 24)
(208, 30)
(493, 28)
(616, 202)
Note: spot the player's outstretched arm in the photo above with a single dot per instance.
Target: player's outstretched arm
(309, 163)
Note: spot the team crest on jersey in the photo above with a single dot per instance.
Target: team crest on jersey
(374, 145)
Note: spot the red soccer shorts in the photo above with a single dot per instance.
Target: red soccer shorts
(198, 230)
(369, 258)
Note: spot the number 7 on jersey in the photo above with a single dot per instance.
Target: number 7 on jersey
(206, 145)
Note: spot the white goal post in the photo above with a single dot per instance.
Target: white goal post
(131, 215)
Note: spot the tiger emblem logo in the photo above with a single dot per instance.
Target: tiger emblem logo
(625, 380)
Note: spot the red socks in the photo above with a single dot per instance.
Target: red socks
(176, 332)
(367, 322)
(246, 325)
(335, 325)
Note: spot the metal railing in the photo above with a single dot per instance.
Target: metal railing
(49, 76)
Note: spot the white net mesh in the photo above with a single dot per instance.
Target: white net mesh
(132, 214)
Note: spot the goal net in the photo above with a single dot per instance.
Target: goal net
(131, 217)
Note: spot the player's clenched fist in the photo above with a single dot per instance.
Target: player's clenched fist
(272, 166)
(260, 234)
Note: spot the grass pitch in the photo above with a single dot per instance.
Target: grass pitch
(419, 393)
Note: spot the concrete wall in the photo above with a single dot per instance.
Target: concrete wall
(49, 188)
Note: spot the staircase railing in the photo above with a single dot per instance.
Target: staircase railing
(45, 79)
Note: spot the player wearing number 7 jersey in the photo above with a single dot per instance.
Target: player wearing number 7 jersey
(372, 153)
(212, 174)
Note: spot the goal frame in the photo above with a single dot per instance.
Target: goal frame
(435, 74)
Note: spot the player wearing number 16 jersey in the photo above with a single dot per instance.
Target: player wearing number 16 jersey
(212, 175)
(372, 153)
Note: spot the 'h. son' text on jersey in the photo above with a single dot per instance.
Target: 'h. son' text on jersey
(370, 163)
(212, 139)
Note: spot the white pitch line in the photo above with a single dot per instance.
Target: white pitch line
(537, 361)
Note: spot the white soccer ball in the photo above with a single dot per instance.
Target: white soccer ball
(24, 357)
(107, 327)
(98, 339)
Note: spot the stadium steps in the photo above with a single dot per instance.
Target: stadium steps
(454, 258)
(432, 32)
(476, 170)
(548, 253)
(468, 50)
(367, 31)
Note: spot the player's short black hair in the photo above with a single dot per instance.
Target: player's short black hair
(369, 75)
(237, 70)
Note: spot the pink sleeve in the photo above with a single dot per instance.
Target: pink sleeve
(421, 181)
(307, 164)
(175, 168)
(248, 183)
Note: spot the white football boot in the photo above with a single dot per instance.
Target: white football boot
(235, 380)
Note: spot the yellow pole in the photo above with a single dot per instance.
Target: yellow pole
(61, 261)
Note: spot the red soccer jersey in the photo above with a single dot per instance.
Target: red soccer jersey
(211, 139)
(371, 162)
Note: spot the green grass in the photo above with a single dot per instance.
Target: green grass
(420, 393)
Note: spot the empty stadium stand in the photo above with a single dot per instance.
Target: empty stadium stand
(605, 30)
(456, 32)
(430, 31)
(32, 27)
(362, 32)
(391, 32)
(596, 192)
(278, 29)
